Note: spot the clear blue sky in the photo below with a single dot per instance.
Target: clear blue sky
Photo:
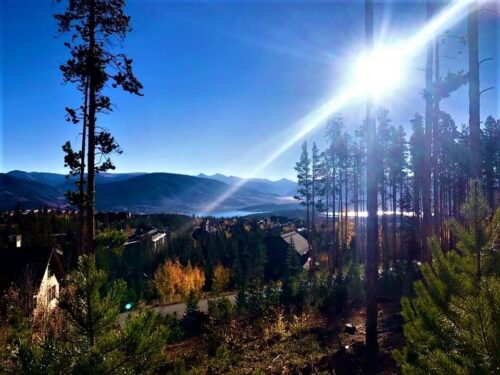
(223, 81)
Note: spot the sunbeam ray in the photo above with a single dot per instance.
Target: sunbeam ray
(406, 50)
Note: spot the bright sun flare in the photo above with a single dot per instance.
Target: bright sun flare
(379, 72)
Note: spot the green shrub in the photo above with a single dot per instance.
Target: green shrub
(354, 282)
(93, 342)
(221, 309)
(453, 322)
(399, 278)
(192, 301)
(223, 357)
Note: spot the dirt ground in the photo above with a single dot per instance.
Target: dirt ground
(321, 347)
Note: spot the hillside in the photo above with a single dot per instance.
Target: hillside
(283, 187)
(166, 192)
(28, 194)
(136, 192)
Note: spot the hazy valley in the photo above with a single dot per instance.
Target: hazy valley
(149, 192)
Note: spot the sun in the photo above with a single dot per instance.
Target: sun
(379, 72)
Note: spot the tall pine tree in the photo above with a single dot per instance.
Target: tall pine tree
(304, 191)
(94, 26)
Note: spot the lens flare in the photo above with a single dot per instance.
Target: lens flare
(379, 71)
(306, 124)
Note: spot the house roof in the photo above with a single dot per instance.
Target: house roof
(14, 263)
(299, 242)
(157, 236)
(145, 230)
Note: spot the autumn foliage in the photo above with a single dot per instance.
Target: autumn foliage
(222, 278)
(174, 281)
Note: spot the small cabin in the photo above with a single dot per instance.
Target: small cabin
(39, 268)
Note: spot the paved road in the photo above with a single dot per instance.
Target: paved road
(178, 309)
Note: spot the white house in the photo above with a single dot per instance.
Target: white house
(39, 268)
(48, 292)
(157, 238)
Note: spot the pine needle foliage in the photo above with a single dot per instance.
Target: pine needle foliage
(453, 322)
(92, 341)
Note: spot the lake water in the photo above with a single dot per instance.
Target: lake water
(230, 213)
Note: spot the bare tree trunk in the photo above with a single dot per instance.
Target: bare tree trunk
(394, 217)
(426, 178)
(401, 217)
(340, 226)
(334, 218)
(356, 204)
(346, 224)
(363, 219)
(417, 184)
(385, 239)
(327, 207)
(312, 233)
(308, 224)
(91, 137)
(474, 115)
(313, 203)
(371, 196)
(435, 147)
(81, 187)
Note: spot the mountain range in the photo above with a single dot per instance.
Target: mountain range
(282, 187)
(148, 192)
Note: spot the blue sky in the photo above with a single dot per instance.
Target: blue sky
(224, 82)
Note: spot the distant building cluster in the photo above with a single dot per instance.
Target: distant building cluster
(42, 269)
(280, 233)
(59, 212)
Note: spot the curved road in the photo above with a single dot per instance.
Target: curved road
(177, 309)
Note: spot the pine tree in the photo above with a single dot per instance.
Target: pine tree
(360, 200)
(93, 342)
(291, 270)
(344, 163)
(397, 172)
(491, 158)
(259, 258)
(94, 27)
(315, 183)
(192, 302)
(358, 174)
(453, 323)
(384, 132)
(325, 182)
(304, 194)
(333, 135)
(315, 200)
(417, 141)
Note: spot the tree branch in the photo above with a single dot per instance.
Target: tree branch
(486, 59)
(489, 88)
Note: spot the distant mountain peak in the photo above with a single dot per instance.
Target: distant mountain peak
(143, 192)
(281, 187)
